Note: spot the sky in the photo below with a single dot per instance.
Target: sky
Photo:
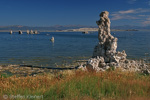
(73, 12)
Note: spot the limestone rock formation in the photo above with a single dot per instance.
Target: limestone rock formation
(11, 32)
(28, 32)
(107, 43)
(31, 32)
(105, 54)
(20, 32)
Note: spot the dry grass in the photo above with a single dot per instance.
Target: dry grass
(75, 85)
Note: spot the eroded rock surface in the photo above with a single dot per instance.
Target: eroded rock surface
(105, 55)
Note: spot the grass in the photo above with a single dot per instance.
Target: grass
(78, 85)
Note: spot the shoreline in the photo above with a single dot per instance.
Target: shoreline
(31, 70)
(79, 30)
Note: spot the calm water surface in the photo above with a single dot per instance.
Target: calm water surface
(68, 47)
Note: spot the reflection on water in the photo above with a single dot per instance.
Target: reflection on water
(68, 47)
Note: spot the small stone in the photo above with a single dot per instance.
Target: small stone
(81, 67)
(112, 64)
(107, 67)
(146, 72)
(101, 65)
(1, 67)
(126, 61)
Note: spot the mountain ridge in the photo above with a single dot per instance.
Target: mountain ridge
(66, 27)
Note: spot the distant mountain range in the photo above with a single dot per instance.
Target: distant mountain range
(65, 27)
(125, 27)
(50, 28)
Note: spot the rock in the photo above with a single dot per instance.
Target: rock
(82, 67)
(28, 32)
(35, 32)
(112, 64)
(105, 54)
(96, 63)
(31, 32)
(101, 65)
(20, 32)
(126, 61)
(90, 68)
(52, 39)
(107, 43)
(147, 72)
(11, 32)
(102, 60)
(1, 67)
(107, 67)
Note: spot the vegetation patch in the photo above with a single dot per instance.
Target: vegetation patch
(76, 85)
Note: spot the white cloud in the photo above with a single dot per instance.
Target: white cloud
(141, 10)
(120, 16)
(129, 14)
(133, 11)
(148, 18)
(146, 23)
(143, 15)
(116, 17)
(126, 12)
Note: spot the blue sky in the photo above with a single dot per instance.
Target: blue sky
(73, 12)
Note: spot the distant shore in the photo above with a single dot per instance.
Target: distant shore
(78, 30)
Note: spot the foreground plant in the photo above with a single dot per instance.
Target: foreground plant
(79, 85)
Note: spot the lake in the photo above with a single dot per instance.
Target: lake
(68, 47)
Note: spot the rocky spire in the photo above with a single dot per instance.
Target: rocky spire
(107, 43)
(105, 54)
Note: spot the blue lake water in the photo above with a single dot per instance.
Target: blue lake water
(68, 47)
